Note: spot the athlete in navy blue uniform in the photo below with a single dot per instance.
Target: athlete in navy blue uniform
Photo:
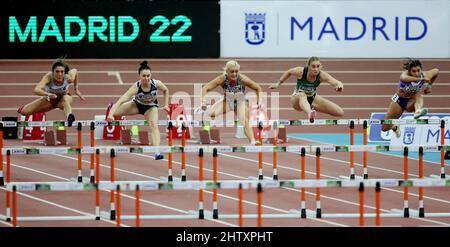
(409, 95)
(141, 98)
(54, 87)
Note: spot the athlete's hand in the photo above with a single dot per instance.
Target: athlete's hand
(426, 79)
(110, 118)
(166, 108)
(51, 96)
(78, 93)
(274, 86)
(204, 106)
(339, 87)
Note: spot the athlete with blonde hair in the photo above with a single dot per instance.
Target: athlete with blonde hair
(233, 84)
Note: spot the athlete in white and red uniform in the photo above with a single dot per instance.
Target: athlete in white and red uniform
(54, 87)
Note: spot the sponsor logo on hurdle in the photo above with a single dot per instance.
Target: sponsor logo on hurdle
(26, 187)
(18, 151)
(122, 150)
(408, 137)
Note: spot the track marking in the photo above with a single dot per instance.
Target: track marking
(124, 195)
(117, 75)
(63, 207)
(206, 169)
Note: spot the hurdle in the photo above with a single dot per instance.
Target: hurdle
(227, 123)
(405, 177)
(97, 181)
(8, 180)
(2, 179)
(112, 205)
(275, 141)
(92, 141)
(136, 186)
(275, 123)
(352, 155)
(302, 190)
(361, 204)
(183, 154)
(260, 155)
(169, 159)
(421, 208)
(365, 174)
(442, 151)
(318, 208)
(79, 145)
(215, 206)
(201, 213)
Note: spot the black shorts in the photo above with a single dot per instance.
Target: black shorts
(311, 99)
(143, 108)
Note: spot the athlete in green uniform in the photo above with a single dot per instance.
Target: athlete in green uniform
(305, 97)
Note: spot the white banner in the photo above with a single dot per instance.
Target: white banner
(423, 135)
(355, 29)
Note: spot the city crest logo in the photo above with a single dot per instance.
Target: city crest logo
(255, 28)
(408, 138)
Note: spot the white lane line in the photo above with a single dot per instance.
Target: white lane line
(311, 193)
(63, 207)
(51, 203)
(127, 196)
(206, 169)
(117, 75)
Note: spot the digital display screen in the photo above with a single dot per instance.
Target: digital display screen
(110, 30)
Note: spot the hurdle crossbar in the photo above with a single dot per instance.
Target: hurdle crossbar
(227, 123)
(225, 184)
(220, 149)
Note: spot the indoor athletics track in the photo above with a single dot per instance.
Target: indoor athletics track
(368, 87)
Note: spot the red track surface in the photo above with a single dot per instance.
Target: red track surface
(360, 77)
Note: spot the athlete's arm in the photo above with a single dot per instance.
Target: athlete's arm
(73, 78)
(431, 75)
(253, 85)
(124, 98)
(40, 87)
(404, 77)
(338, 85)
(165, 90)
(209, 87)
(297, 72)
